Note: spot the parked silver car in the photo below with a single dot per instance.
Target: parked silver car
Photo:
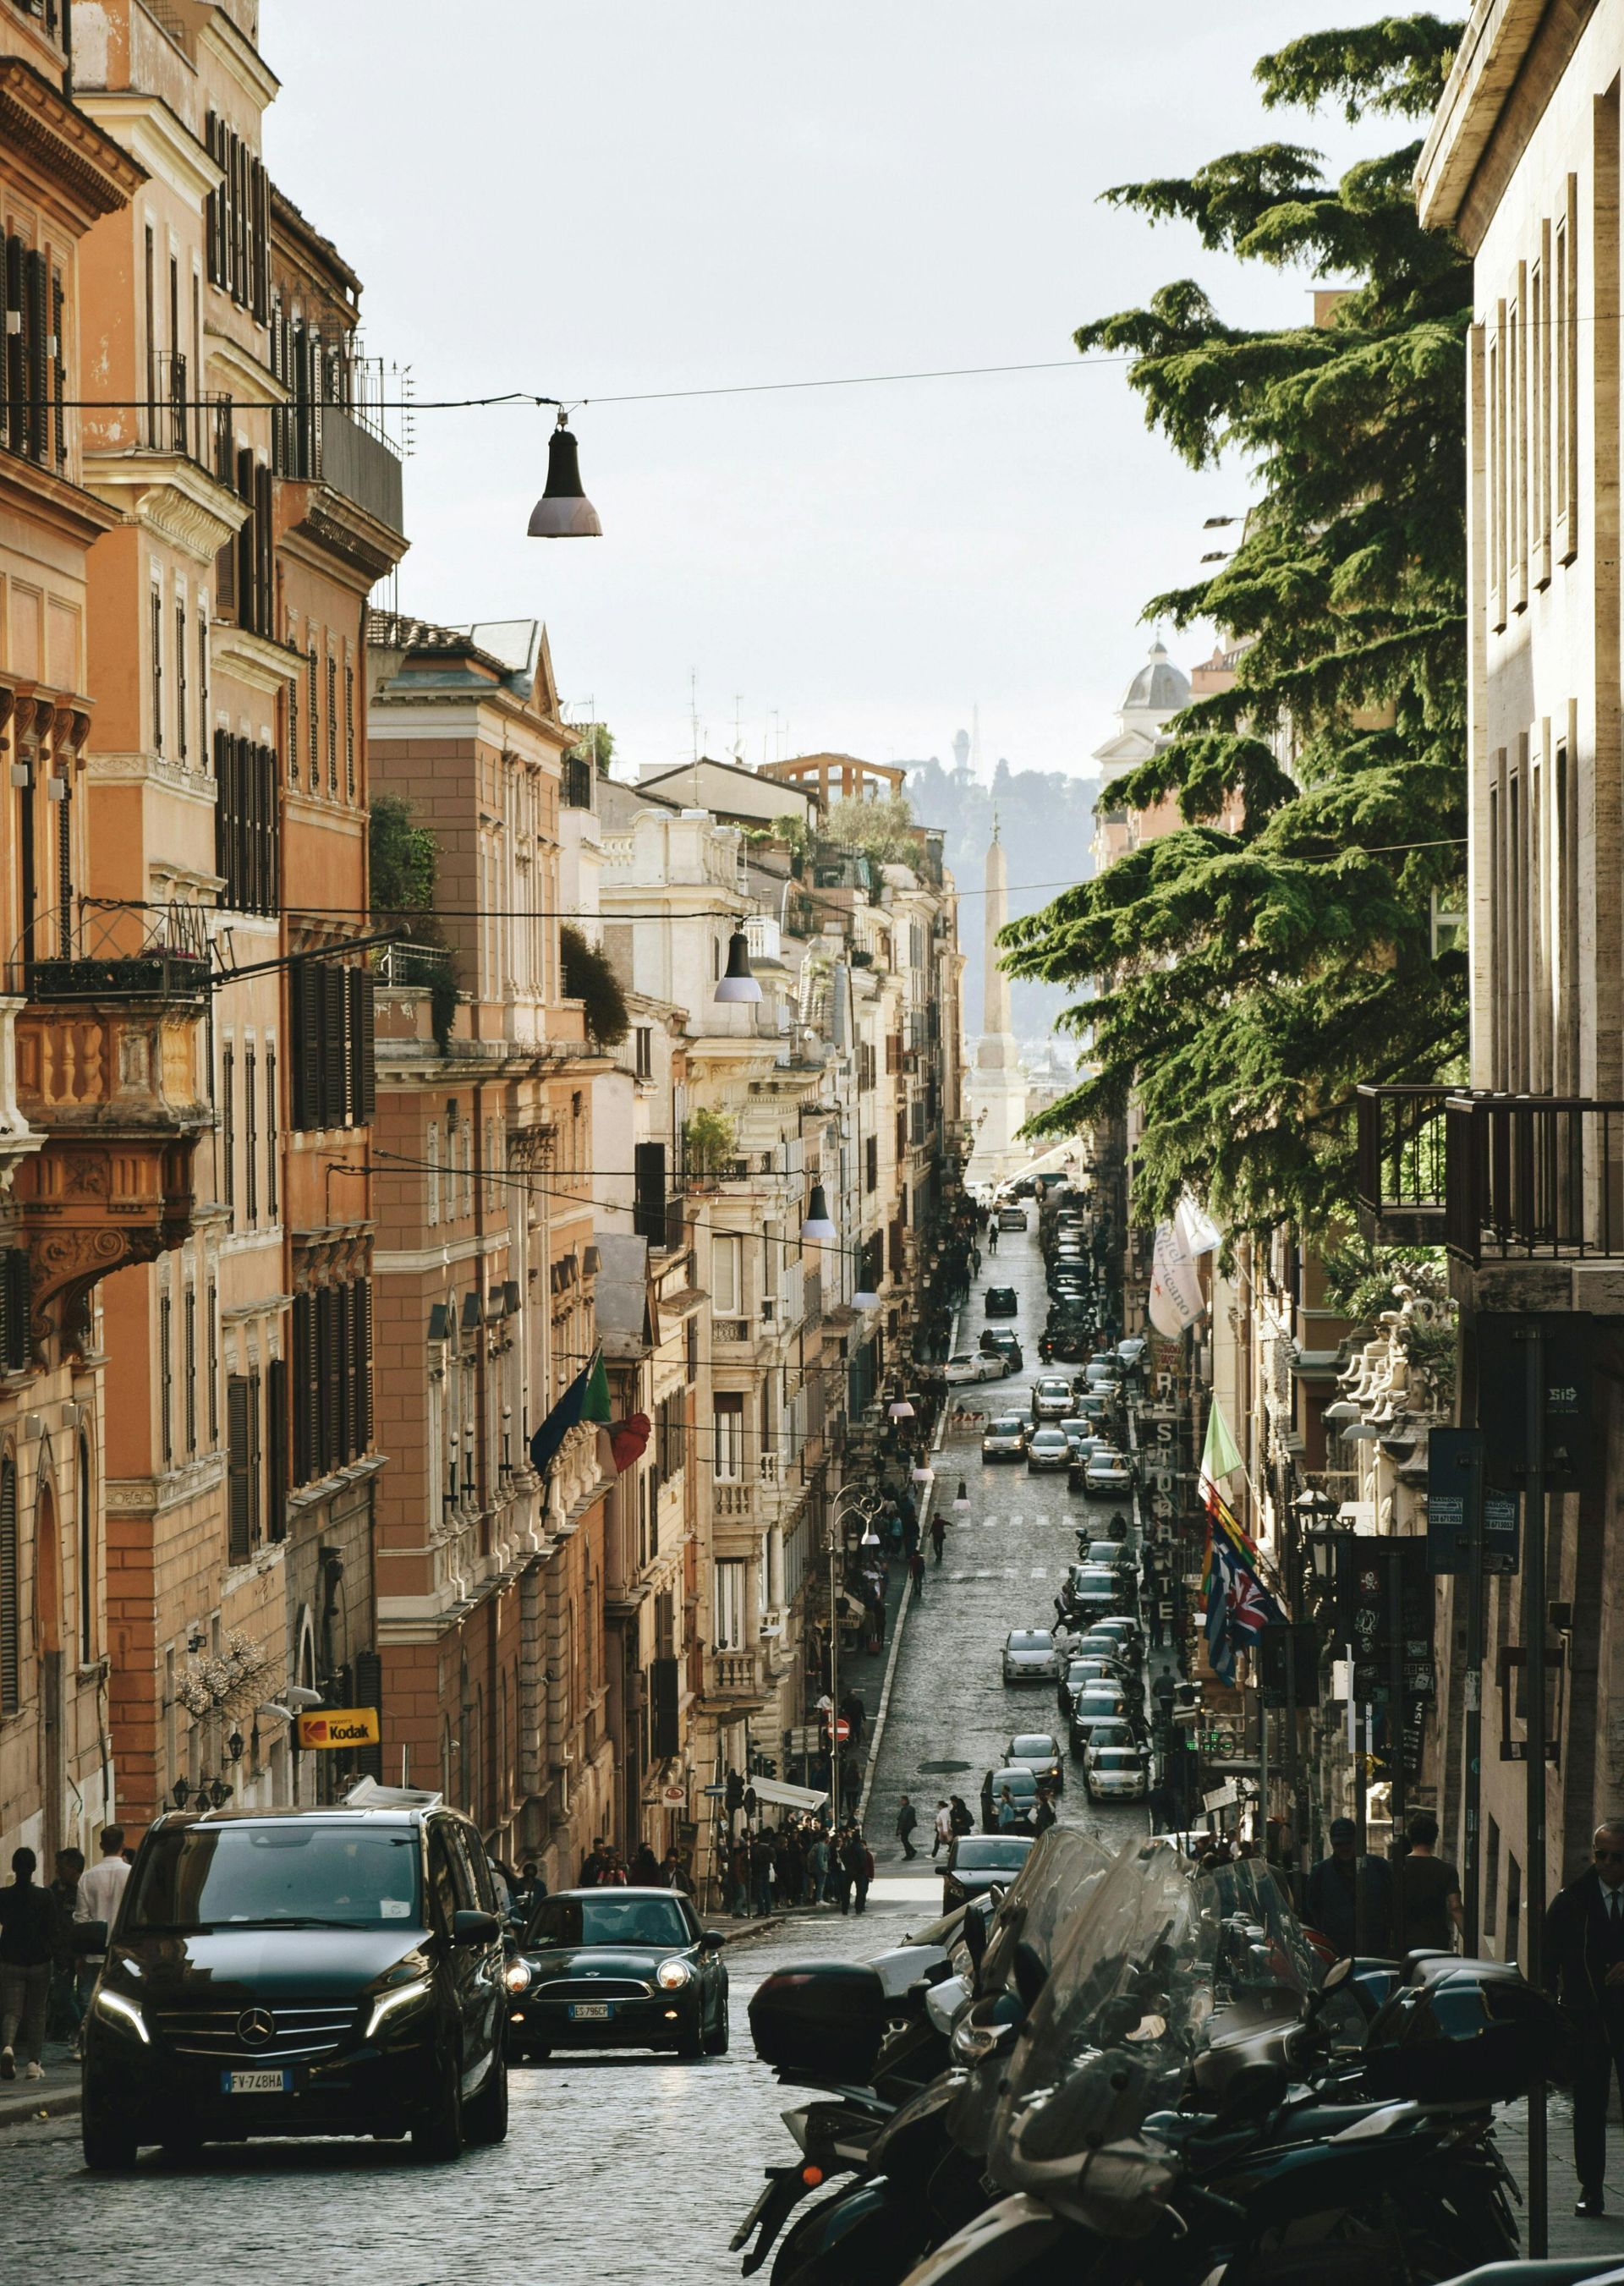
(1029, 1656)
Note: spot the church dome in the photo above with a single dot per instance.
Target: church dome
(1159, 688)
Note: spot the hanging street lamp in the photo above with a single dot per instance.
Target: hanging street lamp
(564, 511)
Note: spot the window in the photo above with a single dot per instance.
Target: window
(315, 701)
(350, 730)
(31, 382)
(181, 740)
(212, 1336)
(332, 1378)
(332, 724)
(251, 1139)
(238, 221)
(202, 679)
(870, 1162)
(242, 1460)
(1491, 1880)
(155, 629)
(165, 1378)
(671, 1438)
(729, 1606)
(247, 831)
(293, 728)
(14, 1345)
(11, 1590)
(726, 1296)
(431, 1152)
(331, 1015)
(728, 1435)
(189, 1332)
(228, 1135)
(643, 1044)
(271, 1204)
(1565, 318)
(87, 1558)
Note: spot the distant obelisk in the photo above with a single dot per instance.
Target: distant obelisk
(996, 1088)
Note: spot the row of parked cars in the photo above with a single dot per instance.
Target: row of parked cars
(1070, 1426)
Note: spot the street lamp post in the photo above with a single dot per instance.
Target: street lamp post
(846, 1504)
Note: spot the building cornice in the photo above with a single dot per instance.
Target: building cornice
(163, 145)
(1507, 67)
(248, 381)
(172, 495)
(255, 660)
(240, 58)
(330, 524)
(87, 173)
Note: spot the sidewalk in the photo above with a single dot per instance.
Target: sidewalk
(54, 2097)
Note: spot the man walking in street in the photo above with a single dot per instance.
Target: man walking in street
(1335, 1885)
(907, 1819)
(944, 1830)
(938, 1534)
(66, 2013)
(916, 1570)
(1584, 1966)
(100, 1891)
(28, 1942)
(1427, 1894)
(860, 1866)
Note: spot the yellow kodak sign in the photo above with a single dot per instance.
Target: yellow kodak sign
(340, 1726)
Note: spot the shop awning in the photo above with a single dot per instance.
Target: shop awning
(789, 1797)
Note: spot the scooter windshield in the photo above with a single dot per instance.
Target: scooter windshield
(1126, 2006)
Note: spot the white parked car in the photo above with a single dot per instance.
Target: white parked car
(1114, 1773)
(974, 1365)
(1029, 1656)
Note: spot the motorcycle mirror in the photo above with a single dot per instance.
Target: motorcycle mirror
(1148, 2028)
(1337, 1976)
(975, 1937)
(1031, 1971)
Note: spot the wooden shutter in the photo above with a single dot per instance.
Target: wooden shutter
(334, 1073)
(255, 1461)
(363, 1366)
(36, 290)
(665, 1734)
(14, 1310)
(58, 365)
(16, 388)
(276, 1449)
(11, 1610)
(342, 1334)
(238, 1449)
(649, 1192)
(363, 1072)
(304, 1387)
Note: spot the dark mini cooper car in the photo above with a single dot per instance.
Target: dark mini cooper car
(1002, 1302)
(620, 1968)
(979, 1862)
(301, 1971)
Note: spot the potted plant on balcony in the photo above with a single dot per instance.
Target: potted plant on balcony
(709, 1143)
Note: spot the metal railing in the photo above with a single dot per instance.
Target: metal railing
(99, 949)
(577, 790)
(1399, 1154)
(419, 966)
(1533, 1176)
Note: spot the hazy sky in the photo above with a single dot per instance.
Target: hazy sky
(629, 196)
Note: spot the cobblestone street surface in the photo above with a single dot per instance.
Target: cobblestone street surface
(627, 2168)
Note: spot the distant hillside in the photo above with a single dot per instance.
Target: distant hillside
(1046, 822)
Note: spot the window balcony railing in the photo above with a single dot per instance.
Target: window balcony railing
(93, 949)
(1534, 1177)
(736, 1675)
(1401, 1163)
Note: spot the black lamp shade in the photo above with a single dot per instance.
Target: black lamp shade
(564, 511)
(738, 979)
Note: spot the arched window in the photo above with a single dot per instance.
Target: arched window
(11, 1612)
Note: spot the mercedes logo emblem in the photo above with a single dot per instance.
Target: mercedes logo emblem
(254, 2027)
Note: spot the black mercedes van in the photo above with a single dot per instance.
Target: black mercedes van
(301, 1971)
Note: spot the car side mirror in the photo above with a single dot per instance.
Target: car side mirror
(471, 1927)
(712, 1940)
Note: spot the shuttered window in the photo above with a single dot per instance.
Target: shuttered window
(250, 1138)
(276, 1450)
(228, 1127)
(332, 724)
(241, 1439)
(238, 221)
(189, 1322)
(332, 1378)
(14, 1310)
(271, 1127)
(247, 824)
(31, 371)
(10, 1612)
(332, 1011)
(166, 1382)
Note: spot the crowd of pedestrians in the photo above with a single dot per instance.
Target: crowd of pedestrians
(45, 1974)
(807, 1861)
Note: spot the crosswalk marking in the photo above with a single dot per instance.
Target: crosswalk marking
(1040, 1572)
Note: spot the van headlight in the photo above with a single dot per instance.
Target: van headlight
(516, 1976)
(398, 2001)
(671, 1975)
(118, 2008)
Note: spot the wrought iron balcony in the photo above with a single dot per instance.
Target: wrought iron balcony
(1400, 1167)
(1534, 1177)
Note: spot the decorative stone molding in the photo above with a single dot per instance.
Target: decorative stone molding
(171, 495)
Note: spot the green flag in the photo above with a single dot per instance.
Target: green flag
(1218, 1456)
(594, 1401)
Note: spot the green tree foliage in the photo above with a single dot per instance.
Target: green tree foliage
(882, 830)
(709, 1141)
(404, 861)
(589, 977)
(596, 746)
(1249, 979)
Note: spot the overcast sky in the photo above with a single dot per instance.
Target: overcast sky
(628, 196)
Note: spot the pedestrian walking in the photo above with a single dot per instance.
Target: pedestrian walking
(907, 1819)
(738, 1880)
(592, 1865)
(65, 2014)
(101, 1888)
(1009, 1817)
(645, 1868)
(938, 1534)
(29, 1944)
(1339, 1884)
(762, 1872)
(1427, 1910)
(958, 1816)
(915, 1569)
(992, 1239)
(860, 1866)
(817, 1870)
(1584, 1966)
(943, 1838)
(1045, 1810)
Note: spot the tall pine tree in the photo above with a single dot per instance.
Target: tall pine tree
(1248, 981)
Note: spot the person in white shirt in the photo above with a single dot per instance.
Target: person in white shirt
(102, 1885)
(944, 1829)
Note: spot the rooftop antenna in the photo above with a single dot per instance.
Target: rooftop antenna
(739, 744)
